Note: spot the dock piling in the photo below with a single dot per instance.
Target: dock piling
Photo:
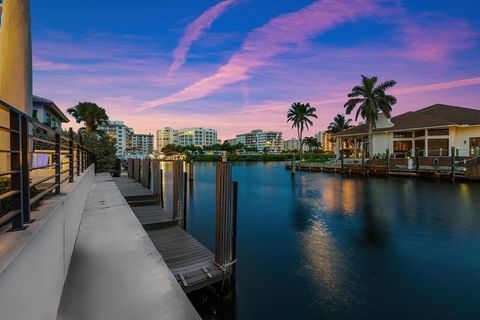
(178, 189)
(184, 220)
(387, 155)
(225, 233)
(190, 170)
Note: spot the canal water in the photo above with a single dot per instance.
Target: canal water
(326, 246)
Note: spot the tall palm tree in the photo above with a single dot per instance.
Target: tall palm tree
(88, 112)
(371, 100)
(299, 114)
(339, 123)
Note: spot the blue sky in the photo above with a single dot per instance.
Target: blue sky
(238, 65)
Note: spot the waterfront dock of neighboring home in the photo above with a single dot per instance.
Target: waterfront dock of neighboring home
(440, 141)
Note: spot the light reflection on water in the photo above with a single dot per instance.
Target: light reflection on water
(325, 246)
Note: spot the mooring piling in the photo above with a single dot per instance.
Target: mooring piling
(178, 190)
(225, 216)
(190, 170)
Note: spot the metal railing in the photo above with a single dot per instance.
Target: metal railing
(35, 161)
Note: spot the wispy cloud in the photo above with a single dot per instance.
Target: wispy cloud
(195, 30)
(438, 86)
(433, 38)
(277, 36)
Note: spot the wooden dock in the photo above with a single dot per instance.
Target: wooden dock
(441, 173)
(192, 264)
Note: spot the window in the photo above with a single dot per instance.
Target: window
(474, 146)
(407, 134)
(420, 145)
(438, 132)
(402, 146)
(419, 133)
(35, 114)
(438, 147)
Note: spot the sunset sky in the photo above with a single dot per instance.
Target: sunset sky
(238, 65)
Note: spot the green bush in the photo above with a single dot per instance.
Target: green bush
(103, 149)
(6, 205)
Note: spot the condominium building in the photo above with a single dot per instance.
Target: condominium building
(271, 141)
(291, 145)
(120, 132)
(327, 141)
(165, 137)
(142, 143)
(262, 140)
(199, 137)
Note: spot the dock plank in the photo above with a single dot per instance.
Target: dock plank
(184, 255)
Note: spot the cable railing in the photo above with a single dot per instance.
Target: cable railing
(35, 161)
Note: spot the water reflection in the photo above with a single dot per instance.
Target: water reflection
(326, 246)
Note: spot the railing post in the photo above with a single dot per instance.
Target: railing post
(78, 158)
(15, 165)
(70, 155)
(57, 162)
(453, 163)
(224, 216)
(417, 160)
(25, 172)
(178, 198)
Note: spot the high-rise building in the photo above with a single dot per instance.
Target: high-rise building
(142, 143)
(291, 145)
(120, 132)
(262, 140)
(199, 137)
(271, 141)
(165, 137)
(319, 136)
(327, 142)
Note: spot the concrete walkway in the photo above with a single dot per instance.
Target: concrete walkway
(116, 272)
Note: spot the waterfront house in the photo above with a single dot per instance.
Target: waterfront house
(47, 112)
(433, 130)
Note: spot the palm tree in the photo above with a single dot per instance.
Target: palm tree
(311, 142)
(88, 112)
(339, 123)
(299, 114)
(371, 100)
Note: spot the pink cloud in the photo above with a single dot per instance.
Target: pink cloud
(195, 30)
(434, 39)
(437, 86)
(277, 36)
(45, 65)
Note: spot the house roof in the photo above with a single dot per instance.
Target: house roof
(53, 107)
(436, 115)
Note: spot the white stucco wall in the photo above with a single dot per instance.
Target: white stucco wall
(461, 138)
(34, 262)
(381, 142)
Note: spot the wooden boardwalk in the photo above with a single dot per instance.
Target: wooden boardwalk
(192, 264)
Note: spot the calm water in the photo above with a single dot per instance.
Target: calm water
(323, 246)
